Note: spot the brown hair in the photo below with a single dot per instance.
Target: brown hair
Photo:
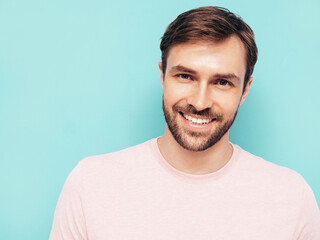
(210, 24)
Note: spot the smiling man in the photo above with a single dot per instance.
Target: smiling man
(191, 183)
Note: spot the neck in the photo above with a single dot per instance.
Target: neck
(202, 162)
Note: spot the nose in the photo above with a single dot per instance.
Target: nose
(200, 98)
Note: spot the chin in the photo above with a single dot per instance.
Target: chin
(196, 143)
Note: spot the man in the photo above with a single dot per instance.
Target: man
(191, 183)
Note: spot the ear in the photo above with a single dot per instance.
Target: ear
(161, 75)
(246, 91)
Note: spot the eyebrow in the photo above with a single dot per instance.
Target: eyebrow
(180, 68)
(227, 76)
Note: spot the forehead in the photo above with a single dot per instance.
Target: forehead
(226, 56)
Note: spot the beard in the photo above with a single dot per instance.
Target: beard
(191, 140)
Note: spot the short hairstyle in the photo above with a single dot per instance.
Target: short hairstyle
(209, 24)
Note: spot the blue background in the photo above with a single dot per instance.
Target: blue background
(80, 78)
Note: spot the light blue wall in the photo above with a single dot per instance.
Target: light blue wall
(80, 78)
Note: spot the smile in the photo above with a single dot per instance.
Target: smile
(200, 121)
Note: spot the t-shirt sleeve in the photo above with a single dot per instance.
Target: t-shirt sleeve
(308, 227)
(69, 219)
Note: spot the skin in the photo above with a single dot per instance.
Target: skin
(204, 76)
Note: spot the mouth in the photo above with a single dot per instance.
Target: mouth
(197, 120)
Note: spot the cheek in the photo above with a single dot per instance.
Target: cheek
(228, 103)
(168, 97)
(173, 92)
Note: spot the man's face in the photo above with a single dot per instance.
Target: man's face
(202, 90)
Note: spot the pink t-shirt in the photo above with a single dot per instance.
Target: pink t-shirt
(135, 194)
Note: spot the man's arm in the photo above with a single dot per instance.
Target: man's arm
(69, 220)
(308, 226)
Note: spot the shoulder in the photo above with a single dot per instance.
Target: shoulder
(122, 161)
(269, 178)
(126, 154)
(281, 188)
(263, 169)
(274, 182)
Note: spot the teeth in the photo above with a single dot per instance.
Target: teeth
(197, 120)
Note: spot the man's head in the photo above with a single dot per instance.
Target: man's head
(212, 24)
(208, 56)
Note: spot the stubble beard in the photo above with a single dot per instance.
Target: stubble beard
(196, 141)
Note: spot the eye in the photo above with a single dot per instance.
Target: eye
(184, 76)
(223, 82)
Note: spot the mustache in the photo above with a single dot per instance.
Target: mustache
(189, 109)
